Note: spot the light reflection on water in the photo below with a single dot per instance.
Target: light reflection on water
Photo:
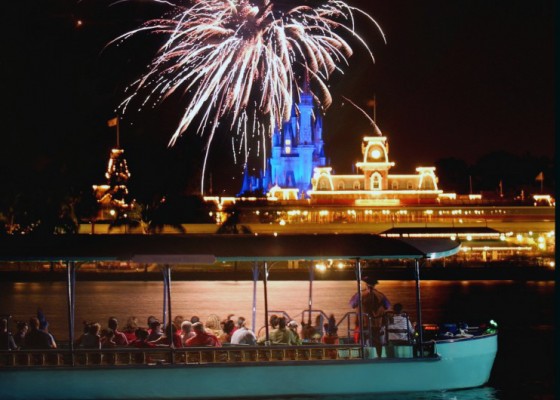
(484, 393)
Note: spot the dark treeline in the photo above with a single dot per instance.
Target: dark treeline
(515, 173)
(53, 196)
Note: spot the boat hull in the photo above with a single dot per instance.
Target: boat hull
(460, 364)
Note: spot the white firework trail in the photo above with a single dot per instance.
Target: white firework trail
(232, 59)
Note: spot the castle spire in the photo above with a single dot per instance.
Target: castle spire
(306, 82)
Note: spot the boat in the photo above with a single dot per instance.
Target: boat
(429, 364)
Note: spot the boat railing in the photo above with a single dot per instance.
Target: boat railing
(179, 356)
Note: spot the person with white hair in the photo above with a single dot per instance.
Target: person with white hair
(242, 335)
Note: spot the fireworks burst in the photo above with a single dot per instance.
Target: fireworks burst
(240, 62)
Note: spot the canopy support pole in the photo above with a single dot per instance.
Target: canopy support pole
(255, 279)
(358, 269)
(310, 300)
(418, 306)
(167, 300)
(265, 281)
(71, 300)
(165, 308)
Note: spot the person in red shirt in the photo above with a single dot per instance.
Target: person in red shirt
(202, 338)
(142, 339)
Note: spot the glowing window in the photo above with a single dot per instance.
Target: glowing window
(323, 184)
(356, 185)
(394, 185)
(409, 185)
(375, 154)
(340, 186)
(288, 146)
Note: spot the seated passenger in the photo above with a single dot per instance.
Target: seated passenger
(242, 335)
(177, 321)
(399, 328)
(331, 335)
(202, 338)
(280, 335)
(36, 338)
(91, 339)
(213, 325)
(130, 329)
(186, 331)
(119, 337)
(19, 337)
(108, 339)
(228, 329)
(171, 336)
(141, 339)
(6, 339)
(293, 327)
(154, 331)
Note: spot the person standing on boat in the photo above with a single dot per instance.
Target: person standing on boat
(374, 305)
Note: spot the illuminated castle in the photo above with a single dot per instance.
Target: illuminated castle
(375, 185)
(297, 149)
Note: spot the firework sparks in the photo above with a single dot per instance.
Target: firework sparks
(239, 60)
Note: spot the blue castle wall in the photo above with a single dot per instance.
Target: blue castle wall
(297, 148)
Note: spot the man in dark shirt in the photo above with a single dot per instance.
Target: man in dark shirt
(36, 338)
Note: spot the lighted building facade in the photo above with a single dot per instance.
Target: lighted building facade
(375, 185)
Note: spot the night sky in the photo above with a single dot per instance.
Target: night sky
(455, 79)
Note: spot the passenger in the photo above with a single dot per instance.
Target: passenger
(399, 327)
(186, 331)
(242, 335)
(280, 335)
(141, 339)
(19, 337)
(151, 319)
(85, 329)
(356, 330)
(273, 321)
(177, 321)
(130, 329)
(228, 329)
(92, 339)
(293, 327)
(119, 337)
(37, 338)
(6, 339)
(108, 339)
(213, 325)
(308, 333)
(44, 325)
(331, 332)
(154, 331)
(374, 304)
(202, 337)
(194, 319)
(172, 335)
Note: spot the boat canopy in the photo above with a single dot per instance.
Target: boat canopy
(208, 249)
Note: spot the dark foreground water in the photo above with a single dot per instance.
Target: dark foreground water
(524, 368)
